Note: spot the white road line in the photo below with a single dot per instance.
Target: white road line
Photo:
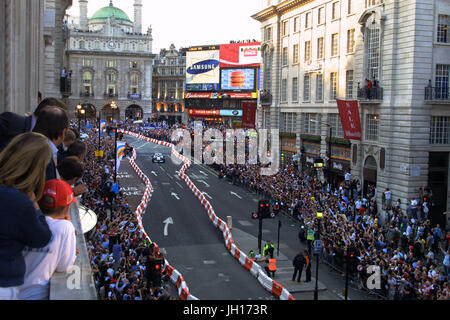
(179, 185)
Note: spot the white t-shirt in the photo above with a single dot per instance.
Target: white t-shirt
(41, 263)
(347, 176)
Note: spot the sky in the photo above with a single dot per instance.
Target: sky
(187, 23)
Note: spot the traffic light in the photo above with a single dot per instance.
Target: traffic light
(276, 208)
(264, 208)
(153, 270)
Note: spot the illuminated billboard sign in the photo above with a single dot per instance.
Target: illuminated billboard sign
(240, 54)
(202, 69)
(238, 79)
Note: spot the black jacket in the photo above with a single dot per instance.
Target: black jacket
(11, 125)
(299, 261)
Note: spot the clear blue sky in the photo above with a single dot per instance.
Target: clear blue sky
(190, 22)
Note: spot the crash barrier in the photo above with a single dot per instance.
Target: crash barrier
(175, 277)
(249, 264)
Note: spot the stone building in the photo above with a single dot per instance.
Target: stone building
(31, 51)
(110, 60)
(169, 72)
(315, 51)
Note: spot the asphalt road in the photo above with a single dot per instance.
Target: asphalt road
(191, 244)
(196, 248)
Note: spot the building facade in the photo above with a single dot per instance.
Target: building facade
(315, 52)
(169, 72)
(31, 51)
(110, 63)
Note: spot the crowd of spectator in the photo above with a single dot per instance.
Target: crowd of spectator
(43, 164)
(118, 249)
(403, 246)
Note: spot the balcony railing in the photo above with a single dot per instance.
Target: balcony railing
(265, 97)
(438, 94)
(86, 94)
(373, 94)
(134, 96)
(110, 95)
(65, 86)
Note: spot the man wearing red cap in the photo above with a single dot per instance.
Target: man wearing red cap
(60, 253)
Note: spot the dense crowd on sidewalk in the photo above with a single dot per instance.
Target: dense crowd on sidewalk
(411, 256)
(44, 165)
(117, 247)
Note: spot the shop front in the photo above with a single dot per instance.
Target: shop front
(340, 163)
(310, 152)
(288, 150)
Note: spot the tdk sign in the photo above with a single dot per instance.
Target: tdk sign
(203, 66)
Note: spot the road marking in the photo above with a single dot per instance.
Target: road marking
(205, 194)
(168, 221)
(173, 194)
(203, 181)
(142, 145)
(179, 184)
(154, 173)
(209, 261)
(203, 172)
(169, 176)
(245, 223)
(235, 194)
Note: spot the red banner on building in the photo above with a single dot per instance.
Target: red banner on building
(240, 54)
(349, 114)
(248, 115)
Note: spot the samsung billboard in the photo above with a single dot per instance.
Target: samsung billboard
(202, 69)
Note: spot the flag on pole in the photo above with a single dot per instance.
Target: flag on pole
(120, 153)
(102, 125)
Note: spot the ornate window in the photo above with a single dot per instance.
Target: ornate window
(372, 127)
(442, 29)
(87, 82)
(134, 83)
(111, 79)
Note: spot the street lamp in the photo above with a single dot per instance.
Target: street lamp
(328, 145)
(83, 113)
(79, 107)
(319, 216)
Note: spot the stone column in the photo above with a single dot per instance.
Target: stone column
(83, 15)
(138, 16)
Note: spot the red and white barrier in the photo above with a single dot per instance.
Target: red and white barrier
(255, 269)
(174, 276)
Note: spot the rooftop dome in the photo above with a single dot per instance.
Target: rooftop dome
(110, 11)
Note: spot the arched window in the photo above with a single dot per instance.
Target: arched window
(87, 83)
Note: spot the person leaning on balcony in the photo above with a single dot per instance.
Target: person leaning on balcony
(22, 180)
(13, 124)
(60, 253)
(53, 122)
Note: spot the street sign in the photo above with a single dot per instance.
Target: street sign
(317, 246)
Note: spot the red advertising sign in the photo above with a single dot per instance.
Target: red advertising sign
(349, 114)
(203, 112)
(197, 95)
(248, 115)
(240, 54)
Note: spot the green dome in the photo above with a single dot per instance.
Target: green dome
(106, 12)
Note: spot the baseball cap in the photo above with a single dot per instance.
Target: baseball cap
(61, 193)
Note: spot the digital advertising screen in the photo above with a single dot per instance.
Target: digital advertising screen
(237, 79)
(202, 70)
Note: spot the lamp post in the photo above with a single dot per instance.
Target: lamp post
(83, 113)
(319, 216)
(114, 107)
(330, 131)
(79, 107)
